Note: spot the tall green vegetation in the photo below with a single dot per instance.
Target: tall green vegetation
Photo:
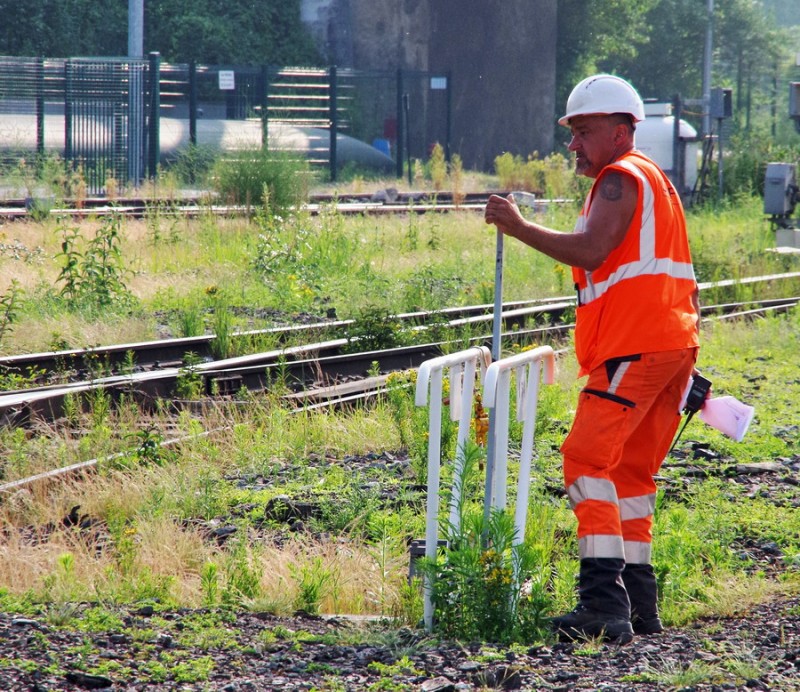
(659, 46)
(92, 271)
(213, 32)
(256, 177)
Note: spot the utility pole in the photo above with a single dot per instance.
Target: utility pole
(136, 29)
(707, 55)
(136, 139)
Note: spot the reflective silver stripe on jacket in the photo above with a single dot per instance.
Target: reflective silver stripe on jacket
(601, 545)
(647, 264)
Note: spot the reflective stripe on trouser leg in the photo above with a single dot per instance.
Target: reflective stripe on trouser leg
(625, 420)
(636, 514)
(594, 501)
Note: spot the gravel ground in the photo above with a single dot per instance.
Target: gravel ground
(757, 649)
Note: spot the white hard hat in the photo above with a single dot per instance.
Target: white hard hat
(603, 94)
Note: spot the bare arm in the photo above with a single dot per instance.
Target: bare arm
(609, 217)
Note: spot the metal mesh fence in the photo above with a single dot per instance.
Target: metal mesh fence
(90, 112)
(110, 120)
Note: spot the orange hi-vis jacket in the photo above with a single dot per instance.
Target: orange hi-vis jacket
(640, 299)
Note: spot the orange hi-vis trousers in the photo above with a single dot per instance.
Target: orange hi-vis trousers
(627, 416)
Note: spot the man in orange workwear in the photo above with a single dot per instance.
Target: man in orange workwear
(636, 337)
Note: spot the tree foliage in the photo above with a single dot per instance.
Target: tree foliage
(208, 31)
(669, 59)
(659, 46)
(590, 31)
(229, 31)
(63, 28)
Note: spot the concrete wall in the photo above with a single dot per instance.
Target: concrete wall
(500, 53)
(502, 56)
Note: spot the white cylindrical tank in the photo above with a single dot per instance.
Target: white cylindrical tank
(654, 138)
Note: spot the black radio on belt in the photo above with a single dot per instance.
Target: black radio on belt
(697, 394)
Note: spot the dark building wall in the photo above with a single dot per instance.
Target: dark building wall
(500, 55)
(391, 33)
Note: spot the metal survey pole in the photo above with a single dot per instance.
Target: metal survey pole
(497, 325)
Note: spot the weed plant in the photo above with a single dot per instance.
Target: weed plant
(487, 585)
(256, 177)
(8, 309)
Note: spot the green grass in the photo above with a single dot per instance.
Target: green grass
(365, 267)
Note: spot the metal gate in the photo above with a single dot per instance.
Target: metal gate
(104, 114)
(93, 112)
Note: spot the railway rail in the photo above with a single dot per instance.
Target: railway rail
(363, 387)
(322, 363)
(320, 373)
(188, 205)
(318, 369)
(151, 355)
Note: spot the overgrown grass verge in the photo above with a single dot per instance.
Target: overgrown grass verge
(279, 512)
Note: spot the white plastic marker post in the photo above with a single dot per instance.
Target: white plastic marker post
(463, 367)
(528, 367)
(526, 199)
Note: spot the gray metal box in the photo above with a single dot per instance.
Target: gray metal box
(794, 99)
(721, 105)
(779, 188)
(787, 238)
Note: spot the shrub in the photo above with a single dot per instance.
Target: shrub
(486, 585)
(94, 278)
(255, 177)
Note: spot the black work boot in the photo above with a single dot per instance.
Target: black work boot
(640, 583)
(603, 608)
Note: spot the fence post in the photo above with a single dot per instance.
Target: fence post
(40, 111)
(334, 122)
(68, 114)
(399, 125)
(449, 117)
(496, 393)
(193, 103)
(264, 107)
(154, 130)
(462, 366)
(407, 136)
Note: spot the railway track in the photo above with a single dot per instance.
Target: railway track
(319, 369)
(153, 355)
(161, 365)
(320, 374)
(383, 202)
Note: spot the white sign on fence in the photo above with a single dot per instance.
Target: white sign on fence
(227, 80)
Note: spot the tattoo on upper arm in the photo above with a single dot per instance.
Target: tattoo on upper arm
(611, 186)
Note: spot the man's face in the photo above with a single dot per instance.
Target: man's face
(594, 143)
